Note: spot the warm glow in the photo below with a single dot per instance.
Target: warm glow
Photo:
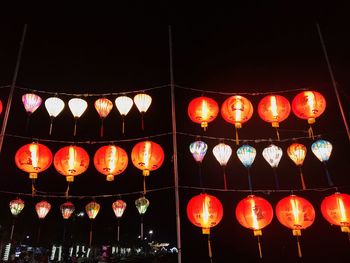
(16, 206)
(238, 107)
(31, 102)
(204, 110)
(111, 155)
(92, 209)
(254, 217)
(310, 99)
(119, 208)
(222, 153)
(342, 210)
(142, 204)
(103, 107)
(295, 209)
(272, 154)
(123, 104)
(297, 152)
(33, 148)
(71, 159)
(274, 107)
(54, 106)
(142, 102)
(77, 106)
(146, 153)
(205, 214)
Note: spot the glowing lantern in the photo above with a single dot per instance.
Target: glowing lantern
(295, 213)
(124, 105)
(297, 153)
(110, 160)
(198, 150)
(322, 149)
(33, 158)
(205, 211)
(103, 107)
(77, 106)
(142, 204)
(71, 161)
(237, 110)
(203, 110)
(42, 209)
(31, 102)
(16, 207)
(1, 107)
(255, 213)
(118, 207)
(54, 106)
(246, 154)
(336, 210)
(222, 153)
(309, 105)
(274, 109)
(92, 210)
(273, 154)
(67, 209)
(142, 102)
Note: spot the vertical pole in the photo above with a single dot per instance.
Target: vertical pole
(333, 79)
(176, 175)
(12, 89)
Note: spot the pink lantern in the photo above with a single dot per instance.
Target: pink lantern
(42, 209)
(31, 102)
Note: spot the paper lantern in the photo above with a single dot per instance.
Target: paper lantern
(16, 206)
(255, 213)
(119, 207)
(103, 107)
(142, 204)
(246, 154)
(222, 153)
(33, 158)
(31, 102)
(237, 110)
(54, 106)
(336, 210)
(124, 105)
(273, 154)
(110, 160)
(296, 213)
(297, 153)
(203, 110)
(274, 109)
(42, 209)
(309, 105)
(142, 102)
(198, 150)
(92, 209)
(77, 106)
(71, 161)
(67, 209)
(322, 149)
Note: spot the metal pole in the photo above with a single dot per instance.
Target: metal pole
(333, 79)
(12, 89)
(176, 175)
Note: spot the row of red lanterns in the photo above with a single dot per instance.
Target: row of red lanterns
(255, 213)
(274, 109)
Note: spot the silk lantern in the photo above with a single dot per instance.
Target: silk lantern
(296, 213)
(67, 210)
(118, 207)
(198, 150)
(143, 102)
(246, 154)
(42, 209)
(77, 107)
(322, 149)
(16, 207)
(54, 106)
(124, 105)
(203, 110)
(274, 109)
(222, 153)
(255, 213)
(31, 102)
(110, 160)
(273, 154)
(92, 210)
(147, 156)
(237, 110)
(205, 211)
(309, 105)
(103, 107)
(297, 153)
(142, 204)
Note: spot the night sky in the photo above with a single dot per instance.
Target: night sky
(251, 48)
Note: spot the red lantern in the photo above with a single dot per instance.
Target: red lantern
(71, 161)
(237, 110)
(336, 210)
(110, 160)
(309, 105)
(33, 158)
(67, 209)
(0, 107)
(255, 213)
(119, 208)
(295, 213)
(42, 209)
(274, 109)
(203, 110)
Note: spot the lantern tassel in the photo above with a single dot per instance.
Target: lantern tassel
(39, 232)
(259, 246)
(75, 127)
(118, 231)
(67, 191)
(142, 121)
(237, 140)
(276, 178)
(144, 185)
(101, 129)
(209, 250)
(27, 123)
(90, 236)
(225, 182)
(300, 255)
(311, 133)
(329, 179)
(12, 228)
(141, 228)
(33, 187)
(123, 124)
(302, 178)
(250, 182)
(51, 123)
(278, 134)
(200, 175)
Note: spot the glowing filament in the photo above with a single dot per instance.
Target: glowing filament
(146, 154)
(206, 211)
(71, 160)
(274, 107)
(254, 217)
(33, 148)
(295, 210)
(238, 106)
(112, 154)
(342, 210)
(204, 110)
(310, 98)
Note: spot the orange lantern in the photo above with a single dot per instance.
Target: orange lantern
(71, 161)
(274, 109)
(336, 210)
(237, 110)
(147, 156)
(297, 153)
(103, 107)
(205, 211)
(92, 210)
(110, 160)
(203, 110)
(295, 213)
(309, 105)
(33, 158)
(255, 213)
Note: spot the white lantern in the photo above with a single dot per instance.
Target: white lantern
(142, 102)
(54, 106)
(124, 105)
(77, 106)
